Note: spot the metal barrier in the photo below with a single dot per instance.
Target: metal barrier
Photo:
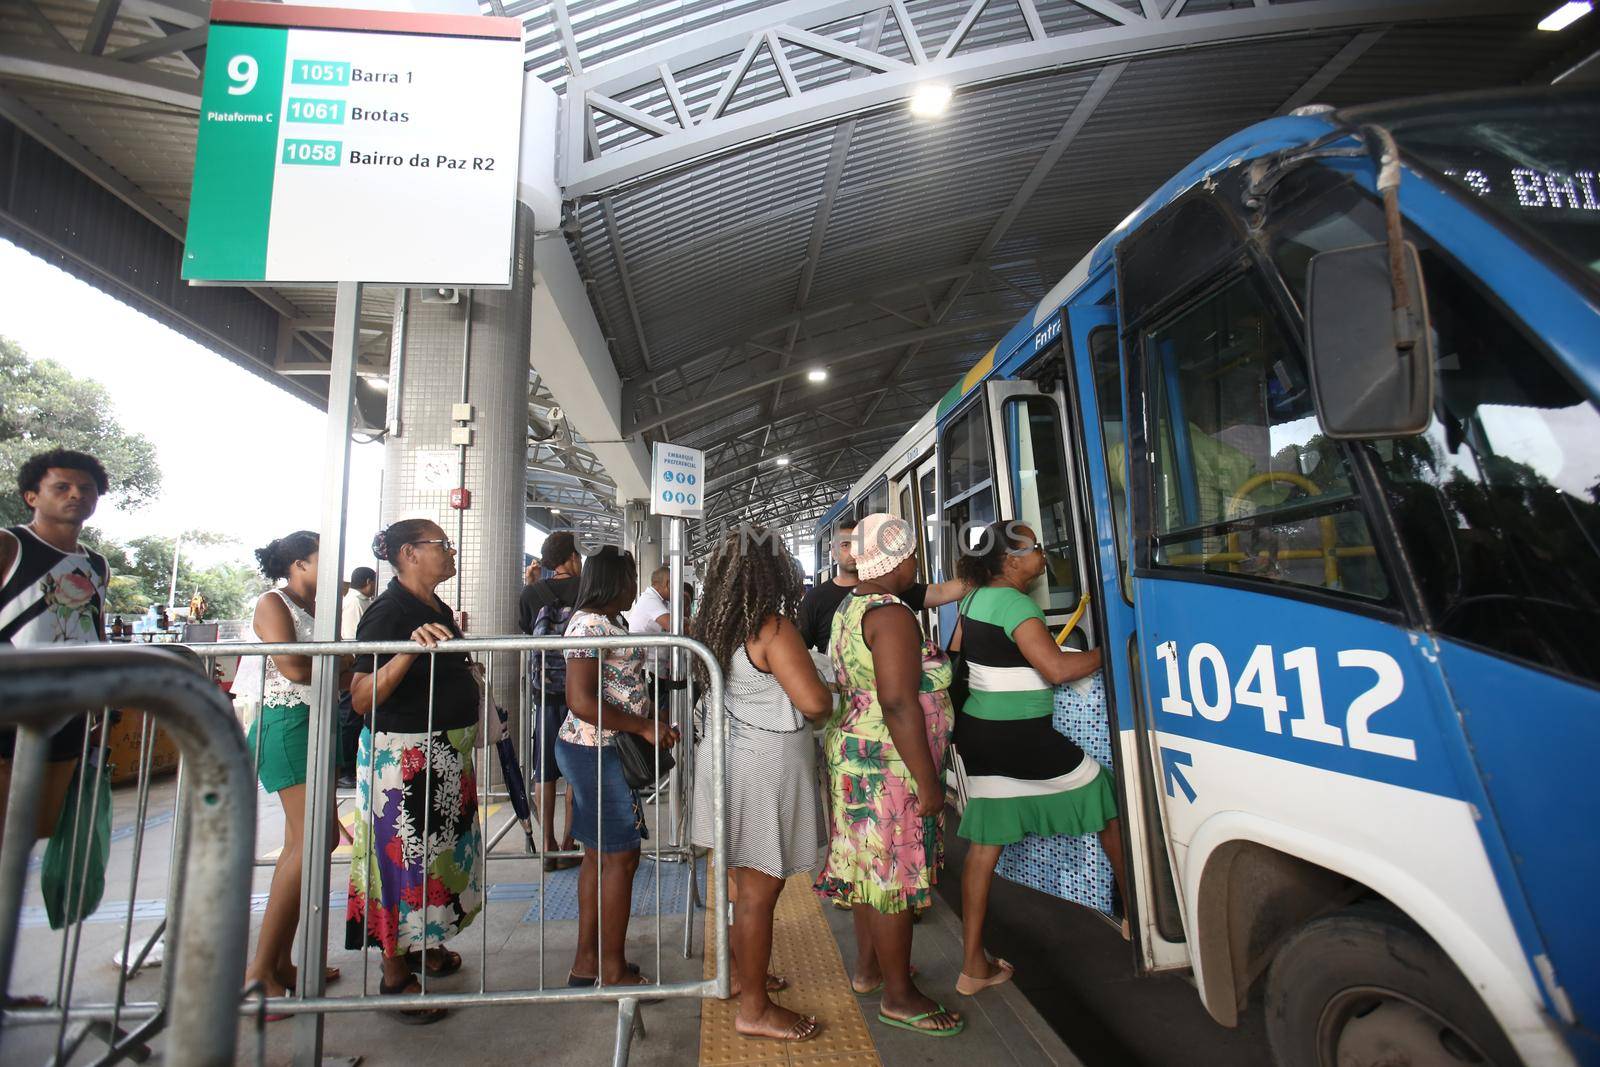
(308, 1000)
(39, 688)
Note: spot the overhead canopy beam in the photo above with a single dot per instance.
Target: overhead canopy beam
(61, 67)
(1135, 36)
(857, 351)
(569, 353)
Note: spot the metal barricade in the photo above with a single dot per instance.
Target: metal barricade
(529, 651)
(199, 1002)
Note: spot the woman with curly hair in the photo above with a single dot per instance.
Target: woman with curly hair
(774, 817)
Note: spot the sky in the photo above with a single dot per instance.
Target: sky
(238, 455)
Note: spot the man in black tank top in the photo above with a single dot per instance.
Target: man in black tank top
(52, 592)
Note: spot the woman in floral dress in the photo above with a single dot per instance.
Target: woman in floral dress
(415, 877)
(884, 750)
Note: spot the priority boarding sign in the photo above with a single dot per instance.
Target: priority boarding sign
(340, 145)
(677, 481)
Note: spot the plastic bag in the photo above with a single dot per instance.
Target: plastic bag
(61, 877)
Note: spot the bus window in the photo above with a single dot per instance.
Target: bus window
(1496, 502)
(876, 502)
(930, 519)
(1103, 355)
(1244, 481)
(1043, 496)
(968, 488)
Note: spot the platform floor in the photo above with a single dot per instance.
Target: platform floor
(814, 947)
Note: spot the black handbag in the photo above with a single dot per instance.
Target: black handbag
(638, 758)
(960, 686)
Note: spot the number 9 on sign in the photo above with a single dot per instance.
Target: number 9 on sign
(242, 71)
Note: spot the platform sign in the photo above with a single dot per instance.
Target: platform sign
(345, 145)
(677, 481)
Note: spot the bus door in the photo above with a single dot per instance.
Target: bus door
(903, 504)
(1037, 484)
(1095, 381)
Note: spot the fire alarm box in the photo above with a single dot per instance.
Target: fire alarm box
(461, 499)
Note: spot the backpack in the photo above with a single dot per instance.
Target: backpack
(550, 622)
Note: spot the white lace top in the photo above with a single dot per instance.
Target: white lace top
(279, 692)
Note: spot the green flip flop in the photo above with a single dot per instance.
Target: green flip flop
(911, 1023)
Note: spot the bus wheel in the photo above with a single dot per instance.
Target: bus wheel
(1365, 987)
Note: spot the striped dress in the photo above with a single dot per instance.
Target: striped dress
(1020, 775)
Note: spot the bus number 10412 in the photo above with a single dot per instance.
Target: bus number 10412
(1213, 693)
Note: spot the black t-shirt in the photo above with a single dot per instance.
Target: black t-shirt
(543, 594)
(820, 605)
(394, 616)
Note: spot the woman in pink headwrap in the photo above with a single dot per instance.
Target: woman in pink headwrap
(884, 749)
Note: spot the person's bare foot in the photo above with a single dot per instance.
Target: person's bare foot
(988, 969)
(865, 983)
(775, 984)
(778, 1024)
(270, 984)
(291, 977)
(917, 1004)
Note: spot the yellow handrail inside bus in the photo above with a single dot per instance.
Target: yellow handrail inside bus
(1077, 616)
(1330, 536)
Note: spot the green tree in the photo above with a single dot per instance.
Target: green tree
(45, 406)
(141, 575)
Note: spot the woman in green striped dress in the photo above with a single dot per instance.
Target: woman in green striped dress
(1022, 777)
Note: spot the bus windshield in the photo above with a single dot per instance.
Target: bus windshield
(1534, 162)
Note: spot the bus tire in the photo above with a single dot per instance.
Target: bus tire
(1365, 987)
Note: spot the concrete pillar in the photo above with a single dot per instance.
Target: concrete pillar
(473, 350)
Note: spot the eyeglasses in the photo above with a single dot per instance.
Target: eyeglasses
(445, 541)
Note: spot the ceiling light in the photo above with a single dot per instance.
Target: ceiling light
(783, 461)
(555, 511)
(930, 101)
(1566, 15)
(817, 374)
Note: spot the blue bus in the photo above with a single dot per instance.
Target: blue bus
(1311, 438)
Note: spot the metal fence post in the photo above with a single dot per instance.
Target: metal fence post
(36, 689)
(325, 672)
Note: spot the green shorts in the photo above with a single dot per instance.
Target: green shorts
(284, 733)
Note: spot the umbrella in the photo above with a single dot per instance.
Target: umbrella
(511, 771)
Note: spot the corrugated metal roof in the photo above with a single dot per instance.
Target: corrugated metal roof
(702, 276)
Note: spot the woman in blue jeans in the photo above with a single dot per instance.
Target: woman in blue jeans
(607, 817)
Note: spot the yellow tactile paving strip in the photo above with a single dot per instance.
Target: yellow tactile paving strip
(803, 951)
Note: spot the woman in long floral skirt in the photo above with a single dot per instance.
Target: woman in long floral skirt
(415, 878)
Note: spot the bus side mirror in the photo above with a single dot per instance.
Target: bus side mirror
(1371, 362)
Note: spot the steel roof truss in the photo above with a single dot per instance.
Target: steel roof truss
(1128, 35)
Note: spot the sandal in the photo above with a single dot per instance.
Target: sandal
(803, 1029)
(451, 964)
(968, 986)
(641, 980)
(928, 1031)
(411, 1016)
(776, 983)
(584, 981)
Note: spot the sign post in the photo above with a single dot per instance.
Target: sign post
(350, 147)
(677, 491)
